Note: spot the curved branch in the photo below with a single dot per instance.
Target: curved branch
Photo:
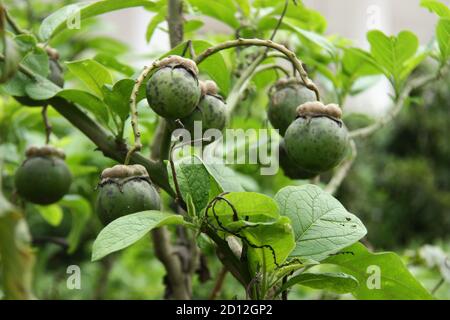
(263, 43)
(133, 108)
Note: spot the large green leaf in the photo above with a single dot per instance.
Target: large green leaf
(60, 19)
(225, 177)
(128, 229)
(322, 226)
(438, 7)
(443, 38)
(335, 282)
(381, 276)
(392, 53)
(91, 73)
(193, 180)
(87, 101)
(214, 65)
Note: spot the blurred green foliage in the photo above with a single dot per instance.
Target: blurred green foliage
(400, 183)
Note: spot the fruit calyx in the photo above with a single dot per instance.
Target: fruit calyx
(210, 88)
(318, 109)
(287, 82)
(124, 173)
(179, 62)
(45, 151)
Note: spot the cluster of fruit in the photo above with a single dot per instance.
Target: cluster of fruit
(315, 139)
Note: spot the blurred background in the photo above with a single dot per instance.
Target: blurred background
(399, 185)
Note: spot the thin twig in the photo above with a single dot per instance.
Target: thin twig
(437, 286)
(48, 126)
(265, 67)
(219, 283)
(280, 20)
(14, 26)
(342, 171)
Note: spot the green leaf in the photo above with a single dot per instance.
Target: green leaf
(81, 212)
(117, 97)
(154, 22)
(357, 63)
(310, 36)
(335, 282)
(42, 89)
(193, 25)
(275, 239)
(393, 52)
(214, 66)
(128, 229)
(88, 102)
(247, 204)
(91, 73)
(53, 214)
(443, 38)
(322, 226)
(395, 280)
(225, 177)
(37, 62)
(193, 180)
(223, 10)
(438, 7)
(62, 18)
(109, 61)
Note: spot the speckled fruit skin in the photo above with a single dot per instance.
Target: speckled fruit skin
(283, 104)
(43, 180)
(210, 111)
(316, 144)
(173, 93)
(117, 199)
(290, 167)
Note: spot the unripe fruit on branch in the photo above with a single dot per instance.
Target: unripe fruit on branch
(124, 190)
(285, 96)
(43, 178)
(211, 110)
(290, 168)
(173, 90)
(317, 140)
